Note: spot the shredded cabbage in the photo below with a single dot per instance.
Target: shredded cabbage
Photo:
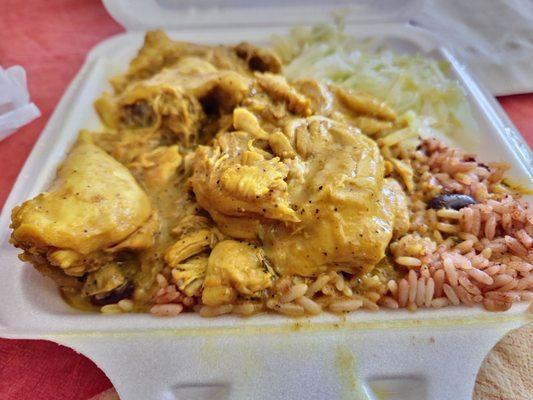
(408, 83)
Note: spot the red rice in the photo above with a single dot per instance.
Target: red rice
(166, 310)
(309, 305)
(440, 302)
(413, 286)
(430, 291)
(403, 292)
(345, 305)
(450, 294)
(294, 292)
(420, 292)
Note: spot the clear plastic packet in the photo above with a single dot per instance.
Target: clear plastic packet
(16, 110)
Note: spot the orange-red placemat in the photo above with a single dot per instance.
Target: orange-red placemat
(50, 39)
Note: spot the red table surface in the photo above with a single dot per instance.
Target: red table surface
(50, 39)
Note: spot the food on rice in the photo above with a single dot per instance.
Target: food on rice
(218, 186)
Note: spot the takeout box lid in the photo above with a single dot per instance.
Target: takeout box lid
(136, 15)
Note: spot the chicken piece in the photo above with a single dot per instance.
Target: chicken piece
(280, 145)
(228, 179)
(268, 110)
(158, 166)
(93, 209)
(126, 145)
(142, 238)
(188, 246)
(278, 88)
(159, 51)
(70, 262)
(365, 104)
(259, 59)
(201, 79)
(349, 222)
(249, 182)
(225, 88)
(147, 106)
(372, 126)
(343, 223)
(302, 141)
(406, 173)
(138, 114)
(94, 203)
(244, 120)
(319, 95)
(108, 111)
(153, 105)
(103, 280)
(340, 105)
(192, 66)
(356, 171)
(41, 264)
(396, 203)
(246, 228)
(191, 223)
(189, 276)
(413, 245)
(342, 212)
(64, 259)
(234, 267)
(175, 99)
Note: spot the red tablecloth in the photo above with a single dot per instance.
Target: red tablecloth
(50, 39)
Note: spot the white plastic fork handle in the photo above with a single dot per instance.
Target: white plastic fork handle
(408, 363)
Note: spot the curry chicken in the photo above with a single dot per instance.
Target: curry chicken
(216, 173)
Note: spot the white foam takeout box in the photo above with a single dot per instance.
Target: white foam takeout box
(430, 354)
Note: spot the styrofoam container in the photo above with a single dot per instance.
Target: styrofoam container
(430, 354)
